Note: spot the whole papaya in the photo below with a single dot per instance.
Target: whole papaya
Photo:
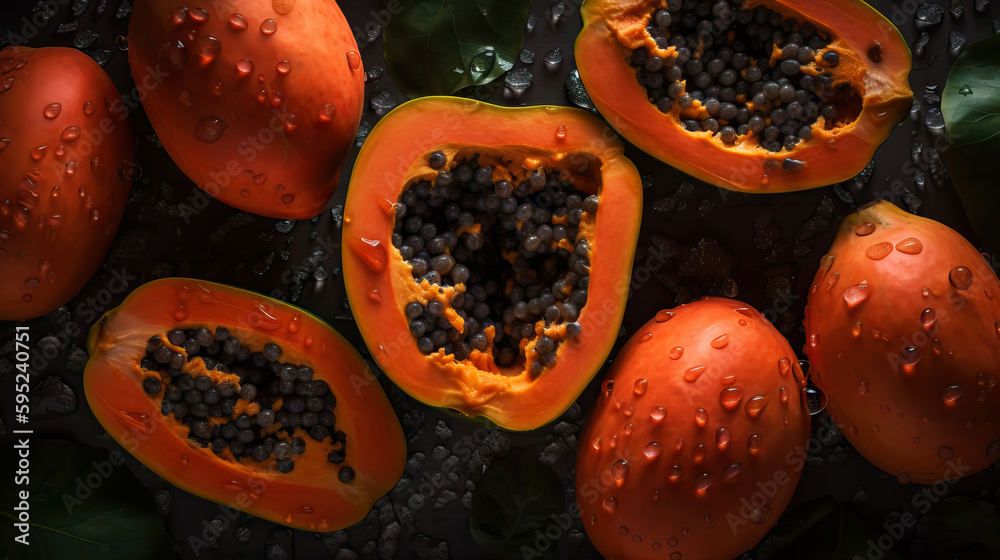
(903, 333)
(699, 437)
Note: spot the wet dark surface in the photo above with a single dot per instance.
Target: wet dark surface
(695, 240)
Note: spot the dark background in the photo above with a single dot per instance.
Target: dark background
(760, 249)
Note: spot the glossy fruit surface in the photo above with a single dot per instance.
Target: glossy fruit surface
(314, 496)
(903, 334)
(66, 165)
(698, 438)
(569, 143)
(257, 103)
(868, 89)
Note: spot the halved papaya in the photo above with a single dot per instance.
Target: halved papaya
(246, 401)
(487, 253)
(756, 95)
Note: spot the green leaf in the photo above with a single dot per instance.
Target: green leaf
(970, 105)
(516, 497)
(83, 503)
(437, 47)
(971, 519)
(824, 529)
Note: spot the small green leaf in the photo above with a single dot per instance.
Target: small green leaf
(437, 47)
(974, 520)
(83, 503)
(516, 497)
(970, 105)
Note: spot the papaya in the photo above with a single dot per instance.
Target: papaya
(257, 102)
(762, 96)
(487, 253)
(903, 334)
(245, 401)
(698, 437)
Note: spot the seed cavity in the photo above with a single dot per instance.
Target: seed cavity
(246, 406)
(747, 76)
(500, 254)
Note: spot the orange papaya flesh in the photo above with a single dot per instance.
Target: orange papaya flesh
(485, 259)
(903, 334)
(758, 96)
(245, 401)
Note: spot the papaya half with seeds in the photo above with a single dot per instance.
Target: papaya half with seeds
(487, 253)
(753, 96)
(903, 334)
(246, 401)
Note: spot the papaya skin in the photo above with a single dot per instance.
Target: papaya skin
(379, 282)
(613, 28)
(706, 405)
(310, 497)
(911, 389)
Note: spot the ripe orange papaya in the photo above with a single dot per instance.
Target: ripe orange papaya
(769, 96)
(487, 253)
(245, 401)
(698, 439)
(903, 334)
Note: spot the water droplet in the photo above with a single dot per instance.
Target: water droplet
(244, 66)
(672, 541)
(856, 330)
(69, 134)
(994, 449)
(720, 341)
(879, 251)
(951, 394)
(619, 471)
(675, 473)
(910, 246)
(6, 84)
(52, 110)
(675, 556)
(652, 450)
(722, 438)
(731, 397)
(640, 386)
(815, 400)
(784, 365)
(482, 63)
(728, 380)
(276, 98)
(865, 228)
(657, 413)
(209, 129)
(693, 373)
(180, 313)
(561, 132)
(701, 417)
(663, 316)
(268, 26)
(676, 352)
(55, 220)
(4, 142)
(607, 387)
(863, 388)
(353, 60)
(38, 153)
(732, 473)
(238, 22)
(623, 530)
(936, 347)
(703, 482)
(646, 337)
(655, 545)
(208, 47)
(903, 478)
(129, 171)
(909, 357)
(945, 453)
(611, 504)
(245, 193)
(754, 443)
(283, 67)
(856, 295)
(255, 490)
(759, 515)
(756, 405)
(960, 278)
(283, 7)
(326, 112)
(174, 54)
(31, 283)
(928, 318)
(199, 15)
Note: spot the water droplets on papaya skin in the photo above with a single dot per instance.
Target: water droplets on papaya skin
(865, 228)
(208, 47)
(174, 55)
(960, 278)
(619, 471)
(209, 129)
(269, 26)
(910, 246)
(52, 110)
(731, 397)
(856, 295)
(722, 438)
(951, 394)
(238, 22)
(879, 251)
